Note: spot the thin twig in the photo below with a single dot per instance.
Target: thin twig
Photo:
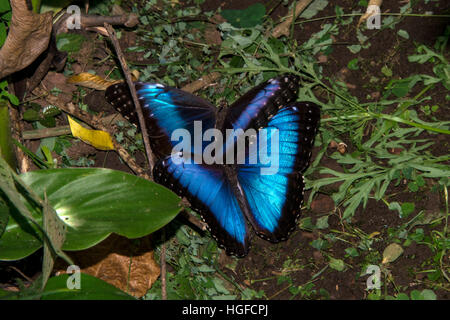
(201, 83)
(196, 222)
(46, 132)
(21, 273)
(126, 71)
(163, 266)
(23, 161)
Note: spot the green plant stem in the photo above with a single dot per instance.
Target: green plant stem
(372, 115)
(445, 233)
(6, 148)
(46, 132)
(382, 14)
(227, 278)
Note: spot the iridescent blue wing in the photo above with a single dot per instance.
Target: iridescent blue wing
(254, 108)
(210, 193)
(275, 197)
(165, 110)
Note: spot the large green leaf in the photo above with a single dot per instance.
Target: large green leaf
(4, 6)
(91, 288)
(92, 203)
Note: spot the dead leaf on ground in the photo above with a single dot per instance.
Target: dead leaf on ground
(392, 252)
(56, 83)
(369, 10)
(322, 204)
(93, 81)
(28, 37)
(283, 28)
(125, 263)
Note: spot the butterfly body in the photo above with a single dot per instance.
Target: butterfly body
(232, 196)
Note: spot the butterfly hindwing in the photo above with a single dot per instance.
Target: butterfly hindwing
(210, 193)
(275, 197)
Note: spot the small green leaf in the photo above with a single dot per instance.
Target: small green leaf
(322, 223)
(386, 71)
(314, 8)
(402, 296)
(353, 64)
(337, 264)
(355, 48)
(407, 209)
(218, 284)
(69, 42)
(319, 244)
(428, 294)
(403, 33)
(400, 88)
(31, 115)
(352, 252)
(206, 268)
(412, 186)
(416, 295)
(306, 223)
(420, 181)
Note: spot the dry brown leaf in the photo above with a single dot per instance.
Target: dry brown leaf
(57, 80)
(93, 81)
(369, 12)
(127, 264)
(203, 82)
(28, 37)
(392, 252)
(322, 204)
(342, 148)
(212, 34)
(284, 27)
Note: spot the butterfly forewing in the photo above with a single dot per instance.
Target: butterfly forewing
(165, 109)
(254, 109)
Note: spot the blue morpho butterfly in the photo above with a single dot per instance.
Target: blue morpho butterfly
(228, 195)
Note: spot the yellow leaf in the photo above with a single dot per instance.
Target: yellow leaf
(93, 81)
(373, 234)
(96, 138)
(88, 80)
